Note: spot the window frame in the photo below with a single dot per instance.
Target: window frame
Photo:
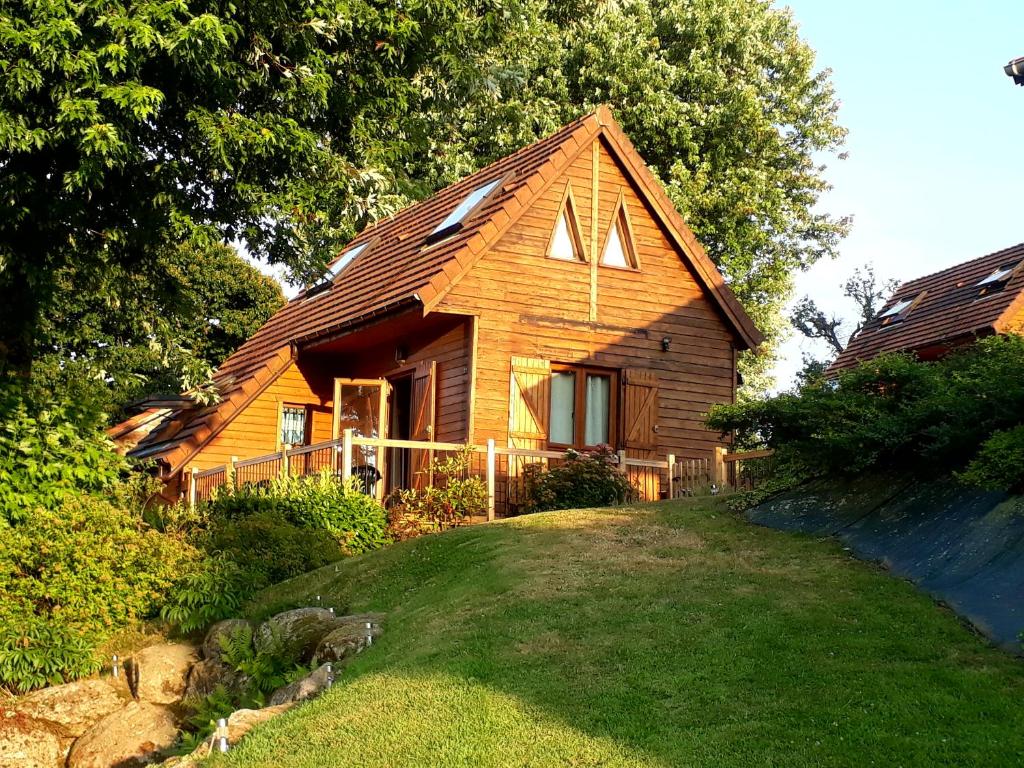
(567, 208)
(307, 423)
(580, 394)
(620, 215)
(438, 235)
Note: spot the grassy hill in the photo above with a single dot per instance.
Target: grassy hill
(672, 634)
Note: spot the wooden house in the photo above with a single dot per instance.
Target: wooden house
(940, 312)
(554, 299)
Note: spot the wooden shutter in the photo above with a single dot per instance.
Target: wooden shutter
(640, 411)
(424, 399)
(529, 403)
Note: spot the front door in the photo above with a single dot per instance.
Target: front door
(362, 406)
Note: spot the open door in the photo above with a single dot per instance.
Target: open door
(640, 425)
(362, 406)
(424, 408)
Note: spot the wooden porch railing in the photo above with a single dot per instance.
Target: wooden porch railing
(501, 468)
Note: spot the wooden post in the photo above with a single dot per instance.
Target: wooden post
(284, 460)
(622, 462)
(671, 461)
(719, 469)
(346, 455)
(232, 478)
(192, 490)
(490, 478)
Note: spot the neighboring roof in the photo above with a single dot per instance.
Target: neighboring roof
(947, 307)
(402, 266)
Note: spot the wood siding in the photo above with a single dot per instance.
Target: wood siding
(532, 306)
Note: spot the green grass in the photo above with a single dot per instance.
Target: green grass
(667, 635)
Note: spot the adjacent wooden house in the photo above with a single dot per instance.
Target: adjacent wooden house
(935, 314)
(554, 299)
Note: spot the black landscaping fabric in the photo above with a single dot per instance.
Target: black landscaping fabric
(963, 546)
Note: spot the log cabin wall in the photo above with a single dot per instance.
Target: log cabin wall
(532, 306)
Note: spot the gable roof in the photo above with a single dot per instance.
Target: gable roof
(949, 307)
(401, 267)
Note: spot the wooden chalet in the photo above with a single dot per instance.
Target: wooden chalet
(554, 299)
(937, 313)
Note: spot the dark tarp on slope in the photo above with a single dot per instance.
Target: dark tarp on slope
(963, 546)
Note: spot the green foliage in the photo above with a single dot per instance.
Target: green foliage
(269, 548)
(50, 451)
(999, 463)
(70, 577)
(892, 413)
(587, 479)
(453, 497)
(213, 589)
(355, 520)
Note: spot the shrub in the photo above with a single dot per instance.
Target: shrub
(70, 578)
(356, 521)
(453, 497)
(587, 479)
(999, 463)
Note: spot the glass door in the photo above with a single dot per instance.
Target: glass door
(362, 406)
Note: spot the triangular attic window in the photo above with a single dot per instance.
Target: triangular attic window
(618, 248)
(566, 244)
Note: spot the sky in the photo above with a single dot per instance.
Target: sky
(935, 173)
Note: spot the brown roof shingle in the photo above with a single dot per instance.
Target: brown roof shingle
(951, 307)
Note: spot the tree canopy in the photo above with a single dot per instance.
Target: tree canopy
(128, 126)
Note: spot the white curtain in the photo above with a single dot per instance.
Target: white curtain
(599, 391)
(563, 408)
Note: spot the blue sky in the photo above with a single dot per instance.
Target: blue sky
(935, 173)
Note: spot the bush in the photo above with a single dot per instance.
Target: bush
(999, 464)
(357, 522)
(70, 578)
(588, 479)
(453, 497)
(894, 413)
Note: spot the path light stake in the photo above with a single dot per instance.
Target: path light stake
(115, 670)
(222, 735)
(369, 633)
(318, 600)
(331, 610)
(330, 675)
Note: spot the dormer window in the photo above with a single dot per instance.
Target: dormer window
(996, 281)
(898, 312)
(334, 269)
(454, 221)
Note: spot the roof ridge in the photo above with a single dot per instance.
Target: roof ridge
(960, 265)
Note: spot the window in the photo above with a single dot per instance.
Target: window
(995, 282)
(335, 269)
(898, 312)
(566, 243)
(582, 407)
(618, 248)
(453, 221)
(293, 425)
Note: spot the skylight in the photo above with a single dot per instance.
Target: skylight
(897, 308)
(334, 270)
(999, 275)
(453, 221)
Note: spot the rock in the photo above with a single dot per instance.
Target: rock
(344, 642)
(26, 742)
(206, 675)
(244, 720)
(162, 671)
(131, 736)
(226, 628)
(295, 634)
(74, 707)
(313, 684)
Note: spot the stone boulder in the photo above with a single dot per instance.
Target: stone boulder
(131, 736)
(163, 670)
(26, 742)
(74, 707)
(206, 675)
(295, 634)
(244, 720)
(226, 628)
(346, 641)
(312, 685)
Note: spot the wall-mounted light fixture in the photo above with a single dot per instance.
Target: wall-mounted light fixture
(401, 354)
(666, 343)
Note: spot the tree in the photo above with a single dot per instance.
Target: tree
(126, 126)
(164, 333)
(868, 294)
(720, 97)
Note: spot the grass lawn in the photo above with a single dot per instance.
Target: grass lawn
(667, 635)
